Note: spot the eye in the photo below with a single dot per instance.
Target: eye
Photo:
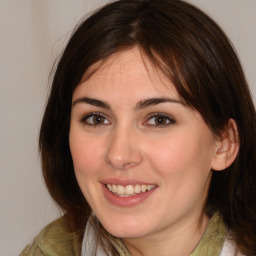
(95, 119)
(159, 119)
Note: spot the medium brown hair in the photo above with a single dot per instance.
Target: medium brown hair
(197, 57)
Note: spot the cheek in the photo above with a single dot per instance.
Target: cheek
(85, 154)
(169, 154)
(182, 164)
(86, 160)
(181, 153)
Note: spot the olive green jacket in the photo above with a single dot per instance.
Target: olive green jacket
(55, 240)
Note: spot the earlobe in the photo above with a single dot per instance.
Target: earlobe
(227, 147)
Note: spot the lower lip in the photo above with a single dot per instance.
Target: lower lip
(127, 201)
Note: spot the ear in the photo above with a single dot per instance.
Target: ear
(227, 147)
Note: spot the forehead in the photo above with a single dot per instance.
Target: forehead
(126, 71)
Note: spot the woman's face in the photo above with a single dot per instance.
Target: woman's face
(141, 157)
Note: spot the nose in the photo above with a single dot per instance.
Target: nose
(123, 150)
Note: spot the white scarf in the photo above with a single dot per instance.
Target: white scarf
(230, 249)
(89, 246)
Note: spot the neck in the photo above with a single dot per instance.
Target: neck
(172, 241)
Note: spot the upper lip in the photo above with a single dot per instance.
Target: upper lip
(125, 182)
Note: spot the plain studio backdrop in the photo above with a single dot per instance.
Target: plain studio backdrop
(33, 33)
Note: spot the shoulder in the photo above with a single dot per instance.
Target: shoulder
(54, 239)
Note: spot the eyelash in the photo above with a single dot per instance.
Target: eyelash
(85, 118)
(164, 116)
(169, 119)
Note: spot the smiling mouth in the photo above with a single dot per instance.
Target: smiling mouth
(129, 190)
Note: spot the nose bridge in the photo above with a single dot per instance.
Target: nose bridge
(123, 150)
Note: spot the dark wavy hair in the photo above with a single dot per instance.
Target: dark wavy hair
(195, 54)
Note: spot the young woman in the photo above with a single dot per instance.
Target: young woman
(148, 138)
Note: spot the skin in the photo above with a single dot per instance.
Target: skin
(128, 143)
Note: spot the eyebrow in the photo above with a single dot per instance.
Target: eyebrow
(140, 105)
(92, 101)
(155, 101)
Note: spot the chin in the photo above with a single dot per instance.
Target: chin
(124, 229)
(131, 233)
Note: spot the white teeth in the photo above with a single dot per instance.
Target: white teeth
(137, 189)
(120, 189)
(113, 188)
(129, 190)
(109, 187)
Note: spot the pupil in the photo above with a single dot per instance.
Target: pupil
(160, 120)
(97, 119)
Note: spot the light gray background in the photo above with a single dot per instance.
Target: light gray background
(33, 33)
